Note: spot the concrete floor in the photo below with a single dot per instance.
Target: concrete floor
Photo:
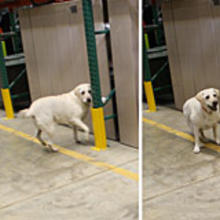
(35, 184)
(178, 184)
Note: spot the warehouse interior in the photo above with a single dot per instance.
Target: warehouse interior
(177, 183)
(46, 50)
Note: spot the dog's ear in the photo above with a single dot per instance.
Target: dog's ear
(77, 91)
(217, 92)
(199, 97)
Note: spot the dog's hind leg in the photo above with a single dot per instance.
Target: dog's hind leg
(50, 144)
(215, 134)
(48, 128)
(38, 136)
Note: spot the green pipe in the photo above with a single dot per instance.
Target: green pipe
(7, 35)
(106, 31)
(149, 28)
(109, 97)
(17, 78)
(159, 71)
(15, 96)
(162, 88)
(156, 22)
(3, 70)
(108, 117)
(15, 38)
(92, 54)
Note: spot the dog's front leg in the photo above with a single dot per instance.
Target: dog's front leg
(215, 134)
(82, 126)
(75, 134)
(198, 144)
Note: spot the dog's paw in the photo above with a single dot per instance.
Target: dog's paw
(52, 148)
(78, 142)
(104, 99)
(196, 149)
(217, 142)
(86, 137)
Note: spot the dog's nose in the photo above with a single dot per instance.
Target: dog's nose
(215, 103)
(89, 100)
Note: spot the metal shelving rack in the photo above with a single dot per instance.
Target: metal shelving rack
(160, 51)
(8, 95)
(98, 117)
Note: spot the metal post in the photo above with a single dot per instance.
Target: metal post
(97, 110)
(6, 97)
(15, 38)
(147, 81)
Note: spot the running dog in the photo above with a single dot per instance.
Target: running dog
(69, 109)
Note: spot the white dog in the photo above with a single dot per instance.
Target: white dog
(202, 112)
(69, 108)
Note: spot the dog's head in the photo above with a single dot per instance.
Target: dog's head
(209, 99)
(83, 92)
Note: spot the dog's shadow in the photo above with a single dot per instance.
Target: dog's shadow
(207, 150)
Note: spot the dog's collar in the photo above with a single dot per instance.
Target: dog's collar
(204, 109)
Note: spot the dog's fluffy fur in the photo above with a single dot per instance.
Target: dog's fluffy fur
(202, 112)
(69, 108)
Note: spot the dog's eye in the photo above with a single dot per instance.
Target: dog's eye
(207, 97)
(214, 95)
(83, 92)
(89, 91)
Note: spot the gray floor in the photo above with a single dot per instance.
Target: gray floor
(178, 184)
(38, 185)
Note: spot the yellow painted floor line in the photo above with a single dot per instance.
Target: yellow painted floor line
(123, 172)
(181, 134)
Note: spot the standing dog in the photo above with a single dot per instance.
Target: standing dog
(69, 109)
(202, 112)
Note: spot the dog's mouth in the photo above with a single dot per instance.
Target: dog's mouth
(213, 108)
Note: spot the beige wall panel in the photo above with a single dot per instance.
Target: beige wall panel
(59, 47)
(189, 47)
(124, 48)
(208, 56)
(216, 25)
(192, 39)
(173, 53)
(30, 55)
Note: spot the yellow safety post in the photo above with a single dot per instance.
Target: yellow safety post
(3, 45)
(148, 88)
(99, 129)
(150, 96)
(4, 48)
(146, 41)
(97, 110)
(6, 97)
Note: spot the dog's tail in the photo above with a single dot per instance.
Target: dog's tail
(25, 113)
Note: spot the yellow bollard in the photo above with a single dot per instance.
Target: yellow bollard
(150, 96)
(99, 129)
(7, 103)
